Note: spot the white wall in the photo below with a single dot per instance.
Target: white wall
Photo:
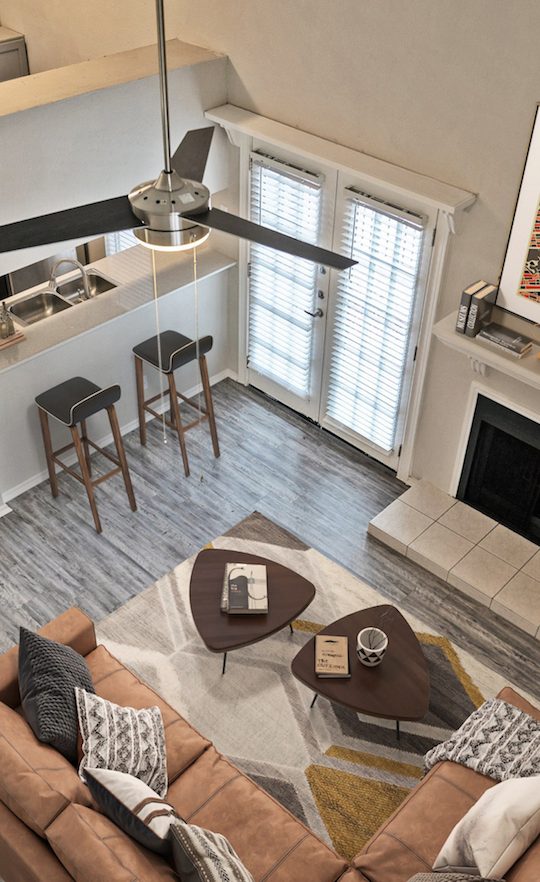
(444, 87)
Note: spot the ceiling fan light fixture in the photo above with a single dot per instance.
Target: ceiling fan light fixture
(172, 240)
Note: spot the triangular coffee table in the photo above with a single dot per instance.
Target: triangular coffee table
(288, 596)
(397, 689)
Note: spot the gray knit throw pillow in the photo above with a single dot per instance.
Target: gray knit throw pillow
(48, 675)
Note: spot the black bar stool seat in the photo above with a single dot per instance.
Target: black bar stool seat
(73, 402)
(176, 350)
(77, 399)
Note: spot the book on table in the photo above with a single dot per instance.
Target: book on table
(245, 589)
(464, 306)
(332, 656)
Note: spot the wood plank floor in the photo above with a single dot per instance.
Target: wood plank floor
(272, 461)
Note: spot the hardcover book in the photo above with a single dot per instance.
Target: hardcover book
(466, 297)
(245, 589)
(331, 656)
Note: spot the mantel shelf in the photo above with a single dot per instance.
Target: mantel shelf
(482, 356)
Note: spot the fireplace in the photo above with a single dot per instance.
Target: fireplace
(501, 469)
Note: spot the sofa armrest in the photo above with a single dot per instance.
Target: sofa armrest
(73, 627)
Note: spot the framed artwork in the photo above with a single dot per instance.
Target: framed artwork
(519, 288)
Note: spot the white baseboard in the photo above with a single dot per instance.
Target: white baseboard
(71, 458)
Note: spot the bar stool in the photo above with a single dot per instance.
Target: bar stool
(176, 350)
(71, 403)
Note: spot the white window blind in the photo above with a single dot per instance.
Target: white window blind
(373, 317)
(282, 287)
(119, 241)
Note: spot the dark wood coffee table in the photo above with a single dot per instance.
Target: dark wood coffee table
(288, 596)
(397, 689)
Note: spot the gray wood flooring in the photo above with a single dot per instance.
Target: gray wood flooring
(272, 461)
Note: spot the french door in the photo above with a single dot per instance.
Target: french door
(337, 347)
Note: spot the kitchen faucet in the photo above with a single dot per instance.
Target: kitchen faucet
(52, 278)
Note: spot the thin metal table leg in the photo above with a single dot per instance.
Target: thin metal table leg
(224, 663)
(315, 697)
(397, 730)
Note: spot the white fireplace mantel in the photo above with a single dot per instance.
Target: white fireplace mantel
(483, 358)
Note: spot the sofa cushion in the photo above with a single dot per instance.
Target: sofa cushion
(36, 782)
(134, 807)
(93, 849)
(203, 856)
(270, 842)
(49, 673)
(410, 840)
(122, 739)
(73, 628)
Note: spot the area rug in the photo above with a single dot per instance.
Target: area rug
(341, 773)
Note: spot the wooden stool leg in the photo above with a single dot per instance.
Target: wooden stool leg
(45, 431)
(139, 376)
(86, 477)
(178, 422)
(209, 403)
(119, 444)
(86, 448)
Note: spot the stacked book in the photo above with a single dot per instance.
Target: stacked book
(332, 656)
(474, 311)
(505, 340)
(245, 589)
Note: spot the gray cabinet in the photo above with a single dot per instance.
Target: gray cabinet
(13, 59)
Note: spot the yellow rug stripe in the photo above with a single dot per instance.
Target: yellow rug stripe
(470, 688)
(375, 762)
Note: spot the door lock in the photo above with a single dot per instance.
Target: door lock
(317, 314)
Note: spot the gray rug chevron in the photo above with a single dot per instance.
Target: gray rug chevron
(339, 772)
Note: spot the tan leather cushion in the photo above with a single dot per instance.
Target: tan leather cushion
(93, 849)
(36, 782)
(214, 794)
(24, 857)
(411, 839)
(73, 628)
(115, 683)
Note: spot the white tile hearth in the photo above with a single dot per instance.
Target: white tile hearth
(470, 551)
(398, 525)
(519, 601)
(468, 522)
(428, 499)
(481, 574)
(438, 549)
(509, 546)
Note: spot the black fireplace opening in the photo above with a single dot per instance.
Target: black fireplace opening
(501, 469)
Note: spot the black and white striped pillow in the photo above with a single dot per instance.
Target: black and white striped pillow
(134, 807)
(202, 856)
(122, 739)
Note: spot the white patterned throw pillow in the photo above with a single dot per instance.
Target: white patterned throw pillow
(122, 739)
(202, 856)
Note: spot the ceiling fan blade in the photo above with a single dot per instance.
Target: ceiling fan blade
(189, 160)
(84, 221)
(238, 226)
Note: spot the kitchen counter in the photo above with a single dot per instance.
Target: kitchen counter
(95, 338)
(130, 270)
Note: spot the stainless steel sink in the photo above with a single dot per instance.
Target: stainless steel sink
(73, 289)
(37, 306)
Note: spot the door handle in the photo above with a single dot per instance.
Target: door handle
(317, 314)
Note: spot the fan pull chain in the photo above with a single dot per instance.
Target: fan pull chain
(160, 362)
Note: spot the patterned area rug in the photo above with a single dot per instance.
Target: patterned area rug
(341, 773)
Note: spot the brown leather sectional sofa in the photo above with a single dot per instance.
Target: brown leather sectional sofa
(50, 831)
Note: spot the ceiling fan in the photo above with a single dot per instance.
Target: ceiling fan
(172, 212)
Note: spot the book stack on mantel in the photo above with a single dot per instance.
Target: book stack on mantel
(332, 656)
(505, 340)
(245, 589)
(475, 308)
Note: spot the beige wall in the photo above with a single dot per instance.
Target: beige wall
(445, 87)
